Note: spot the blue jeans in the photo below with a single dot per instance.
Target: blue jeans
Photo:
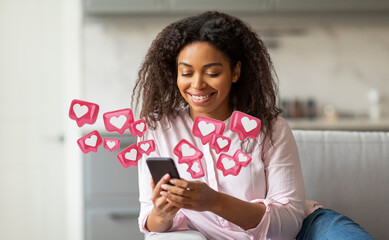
(327, 224)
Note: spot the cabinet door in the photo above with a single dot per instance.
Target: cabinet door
(105, 176)
(103, 224)
(220, 5)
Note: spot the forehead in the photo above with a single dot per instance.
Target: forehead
(201, 53)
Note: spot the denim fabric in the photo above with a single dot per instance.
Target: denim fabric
(325, 224)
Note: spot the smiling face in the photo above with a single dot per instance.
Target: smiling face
(204, 78)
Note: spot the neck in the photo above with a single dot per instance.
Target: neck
(221, 116)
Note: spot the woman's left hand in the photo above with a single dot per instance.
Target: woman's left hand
(194, 195)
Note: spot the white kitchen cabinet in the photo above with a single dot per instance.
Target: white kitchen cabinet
(125, 6)
(167, 7)
(111, 195)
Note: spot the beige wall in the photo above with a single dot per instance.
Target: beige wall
(335, 60)
(40, 188)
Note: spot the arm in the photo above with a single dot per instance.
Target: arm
(198, 196)
(244, 214)
(156, 215)
(279, 215)
(163, 212)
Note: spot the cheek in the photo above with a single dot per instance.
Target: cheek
(181, 85)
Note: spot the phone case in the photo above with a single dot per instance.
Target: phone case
(159, 166)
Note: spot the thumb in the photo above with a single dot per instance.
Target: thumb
(152, 184)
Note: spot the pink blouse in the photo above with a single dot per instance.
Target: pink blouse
(273, 178)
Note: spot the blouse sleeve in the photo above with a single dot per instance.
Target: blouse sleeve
(145, 190)
(285, 196)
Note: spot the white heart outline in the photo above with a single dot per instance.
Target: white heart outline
(242, 156)
(131, 155)
(222, 142)
(118, 122)
(187, 151)
(80, 110)
(140, 126)
(111, 144)
(91, 141)
(248, 124)
(206, 128)
(145, 146)
(195, 167)
(228, 163)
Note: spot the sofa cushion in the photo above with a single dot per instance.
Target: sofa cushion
(348, 172)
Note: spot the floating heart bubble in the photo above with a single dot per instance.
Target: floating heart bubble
(195, 169)
(220, 143)
(118, 121)
(137, 128)
(242, 158)
(129, 156)
(204, 128)
(90, 142)
(228, 165)
(244, 125)
(146, 147)
(111, 144)
(83, 112)
(186, 152)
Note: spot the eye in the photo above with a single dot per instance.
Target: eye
(186, 74)
(213, 74)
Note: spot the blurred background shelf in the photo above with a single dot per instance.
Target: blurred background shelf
(347, 124)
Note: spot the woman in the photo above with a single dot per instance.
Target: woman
(211, 65)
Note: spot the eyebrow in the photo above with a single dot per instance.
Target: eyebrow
(205, 66)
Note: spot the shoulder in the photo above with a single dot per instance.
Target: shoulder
(280, 126)
(280, 131)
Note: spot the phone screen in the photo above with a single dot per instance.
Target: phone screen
(159, 166)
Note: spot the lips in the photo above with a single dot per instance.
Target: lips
(200, 98)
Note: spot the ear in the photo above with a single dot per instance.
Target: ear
(236, 72)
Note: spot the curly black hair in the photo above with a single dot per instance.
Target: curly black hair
(255, 93)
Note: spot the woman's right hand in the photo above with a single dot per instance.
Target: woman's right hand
(165, 209)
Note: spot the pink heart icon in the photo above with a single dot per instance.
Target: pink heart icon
(244, 125)
(83, 112)
(220, 143)
(111, 144)
(204, 128)
(228, 165)
(195, 169)
(146, 147)
(90, 142)
(137, 128)
(129, 156)
(242, 158)
(118, 120)
(186, 152)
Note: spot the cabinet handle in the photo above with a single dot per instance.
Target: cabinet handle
(130, 214)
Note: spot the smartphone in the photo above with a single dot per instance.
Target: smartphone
(159, 166)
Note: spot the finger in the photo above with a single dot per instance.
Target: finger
(158, 189)
(176, 190)
(182, 183)
(169, 208)
(152, 184)
(177, 198)
(160, 202)
(179, 205)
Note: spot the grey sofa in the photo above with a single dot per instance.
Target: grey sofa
(344, 171)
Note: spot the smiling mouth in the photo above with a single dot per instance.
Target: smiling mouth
(197, 98)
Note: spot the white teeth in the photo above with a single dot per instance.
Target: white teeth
(201, 97)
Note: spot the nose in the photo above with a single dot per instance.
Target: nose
(198, 82)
